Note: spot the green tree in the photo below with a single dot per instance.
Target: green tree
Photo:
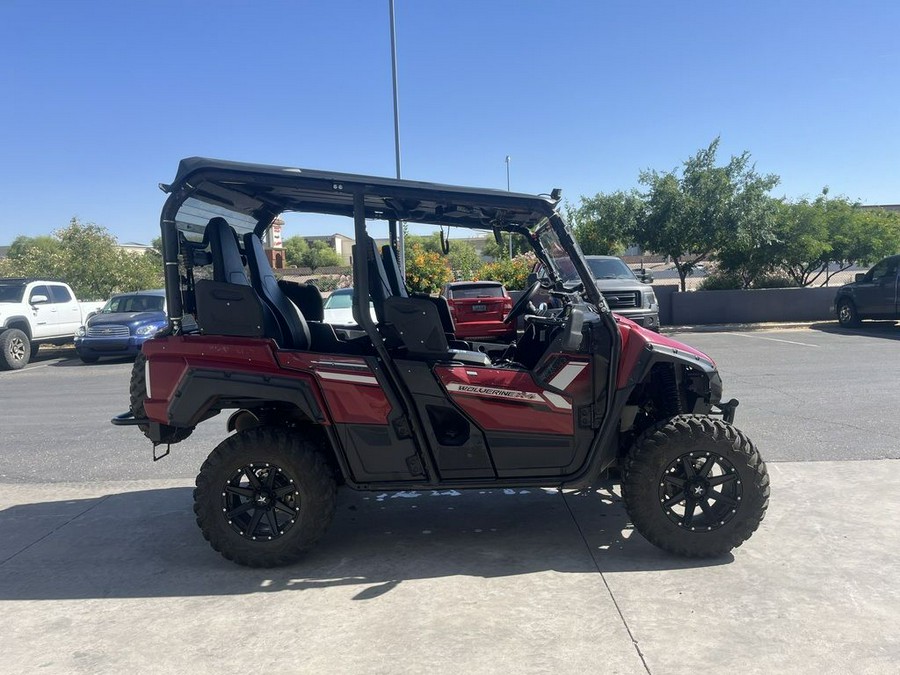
(749, 254)
(605, 223)
(295, 250)
(464, 259)
(89, 259)
(859, 236)
(802, 247)
(496, 251)
(20, 245)
(688, 217)
(320, 254)
(511, 273)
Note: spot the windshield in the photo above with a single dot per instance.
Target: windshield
(11, 293)
(134, 303)
(558, 257)
(339, 300)
(476, 291)
(194, 214)
(609, 268)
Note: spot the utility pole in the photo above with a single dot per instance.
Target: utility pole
(401, 246)
(507, 189)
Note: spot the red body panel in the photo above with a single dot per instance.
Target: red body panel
(353, 394)
(345, 388)
(509, 400)
(635, 339)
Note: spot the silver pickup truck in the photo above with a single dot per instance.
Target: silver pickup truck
(624, 292)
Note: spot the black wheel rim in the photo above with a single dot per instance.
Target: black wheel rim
(260, 502)
(700, 491)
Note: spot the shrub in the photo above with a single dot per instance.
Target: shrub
(511, 273)
(426, 271)
(721, 281)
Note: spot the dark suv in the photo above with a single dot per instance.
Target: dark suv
(874, 295)
(403, 403)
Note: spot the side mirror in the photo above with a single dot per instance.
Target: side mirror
(645, 276)
(860, 276)
(39, 299)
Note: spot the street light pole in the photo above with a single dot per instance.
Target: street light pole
(507, 189)
(401, 249)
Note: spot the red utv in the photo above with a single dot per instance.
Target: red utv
(402, 402)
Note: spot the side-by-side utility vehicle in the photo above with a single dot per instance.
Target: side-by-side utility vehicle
(399, 402)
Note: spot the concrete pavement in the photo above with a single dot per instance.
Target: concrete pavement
(113, 577)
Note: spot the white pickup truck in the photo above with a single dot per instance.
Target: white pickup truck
(35, 312)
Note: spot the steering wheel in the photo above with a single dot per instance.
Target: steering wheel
(522, 303)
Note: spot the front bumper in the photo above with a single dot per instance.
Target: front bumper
(112, 346)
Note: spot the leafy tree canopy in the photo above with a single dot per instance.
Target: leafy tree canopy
(691, 215)
(605, 223)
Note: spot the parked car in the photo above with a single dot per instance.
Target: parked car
(122, 326)
(874, 295)
(478, 309)
(625, 292)
(339, 308)
(35, 312)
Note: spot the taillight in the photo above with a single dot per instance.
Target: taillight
(507, 304)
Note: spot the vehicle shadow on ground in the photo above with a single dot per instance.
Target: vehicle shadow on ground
(889, 330)
(75, 362)
(147, 544)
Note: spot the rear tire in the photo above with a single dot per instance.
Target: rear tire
(15, 349)
(89, 359)
(137, 394)
(695, 486)
(264, 496)
(847, 314)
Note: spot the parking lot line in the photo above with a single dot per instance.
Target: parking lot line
(760, 337)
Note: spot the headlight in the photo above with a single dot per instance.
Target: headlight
(650, 298)
(81, 332)
(149, 329)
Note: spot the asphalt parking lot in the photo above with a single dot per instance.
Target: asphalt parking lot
(103, 569)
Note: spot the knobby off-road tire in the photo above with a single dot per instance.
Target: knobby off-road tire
(264, 496)
(695, 486)
(847, 314)
(137, 394)
(15, 349)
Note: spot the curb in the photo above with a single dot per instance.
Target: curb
(730, 327)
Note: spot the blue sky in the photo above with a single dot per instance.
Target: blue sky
(101, 99)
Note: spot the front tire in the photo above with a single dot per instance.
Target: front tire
(15, 349)
(695, 486)
(265, 496)
(847, 314)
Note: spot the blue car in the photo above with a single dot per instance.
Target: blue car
(122, 326)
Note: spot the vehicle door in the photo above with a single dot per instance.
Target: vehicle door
(43, 312)
(876, 294)
(68, 312)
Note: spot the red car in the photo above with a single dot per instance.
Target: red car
(478, 309)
